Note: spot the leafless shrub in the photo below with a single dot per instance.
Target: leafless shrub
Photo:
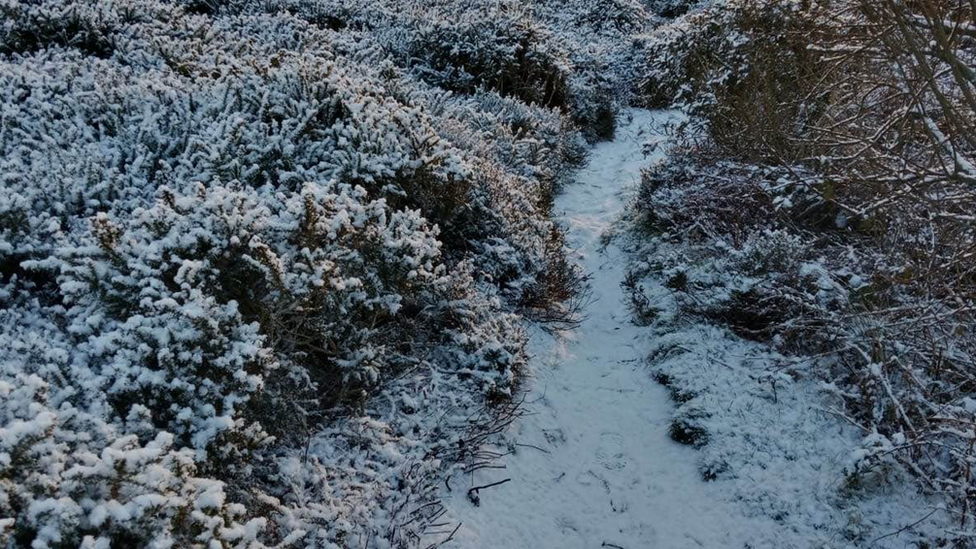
(850, 126)
(560, 291)
(641, 308)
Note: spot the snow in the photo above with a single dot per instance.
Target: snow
(266, 284)
(594, 464)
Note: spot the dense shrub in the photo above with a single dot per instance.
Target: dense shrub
(753, 86)
(260, 261)
(576, 57)
(501, 49)
(821, 198)
(31, 26)
(195, 299)
(671, 8)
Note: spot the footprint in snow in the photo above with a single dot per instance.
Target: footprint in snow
(610, 452)
(554, 437)
(566, 524)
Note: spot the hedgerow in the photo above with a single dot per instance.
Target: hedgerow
(821, 201)
(261, 263)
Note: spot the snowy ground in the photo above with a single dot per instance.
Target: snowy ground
(593, 465)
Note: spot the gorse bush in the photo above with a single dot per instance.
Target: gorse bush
(671, 8)
(501, 49)
(215, 284)
(259, 267)
(32, 26)
(829, 173)
(508, 49)
(575, 57)
(71, 480)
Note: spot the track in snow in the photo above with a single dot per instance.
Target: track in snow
(605, 473)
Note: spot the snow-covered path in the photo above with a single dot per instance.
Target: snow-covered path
(594, 465)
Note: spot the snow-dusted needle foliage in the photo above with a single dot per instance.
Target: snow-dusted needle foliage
(261, 263)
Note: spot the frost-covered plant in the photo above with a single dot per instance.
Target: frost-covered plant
(608, 15)
(742, 68)
(258, 267)
(847, 128)
(671, 8)
(86, 26)
(498, 47)
(67, 478)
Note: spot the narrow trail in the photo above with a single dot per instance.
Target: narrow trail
(594, 466)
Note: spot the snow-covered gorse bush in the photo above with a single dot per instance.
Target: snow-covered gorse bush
(822, 202)
(672, 8)
(261, 263)
(497, 48)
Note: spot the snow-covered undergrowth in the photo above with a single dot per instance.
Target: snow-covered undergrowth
(590, 463)
(764, 456)
(819, 207)
(261, 263)
(770, 433)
